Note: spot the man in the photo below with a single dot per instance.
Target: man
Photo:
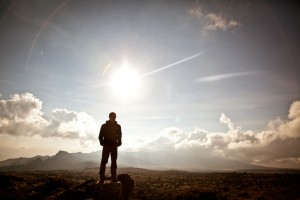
(110, 138)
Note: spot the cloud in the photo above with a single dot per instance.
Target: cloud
(21, 115)
(212, 20)
(72, 125)
(196, 11)
(225, 120)
(219, 22)
(277, 146)
(295, 110)
(220, 77)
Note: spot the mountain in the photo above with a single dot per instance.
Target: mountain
(20, 161)
(149, 160)
(61, 160)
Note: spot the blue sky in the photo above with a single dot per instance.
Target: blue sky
(57, 59)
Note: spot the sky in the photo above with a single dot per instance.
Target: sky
(220, 77)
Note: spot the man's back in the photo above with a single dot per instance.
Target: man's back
(110, 133)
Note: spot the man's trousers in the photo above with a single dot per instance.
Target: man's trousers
(113, 151)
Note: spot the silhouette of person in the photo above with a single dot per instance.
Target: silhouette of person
(110, 138)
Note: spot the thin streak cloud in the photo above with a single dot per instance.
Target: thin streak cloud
(173, 64)
(106, 69)
(220, 77)
(154, 71)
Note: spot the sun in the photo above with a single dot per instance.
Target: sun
(125, 82)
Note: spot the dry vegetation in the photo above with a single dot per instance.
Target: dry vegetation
(151, 184)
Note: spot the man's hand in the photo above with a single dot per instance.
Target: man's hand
(119, 143)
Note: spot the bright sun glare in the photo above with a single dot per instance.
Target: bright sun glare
(125, 82)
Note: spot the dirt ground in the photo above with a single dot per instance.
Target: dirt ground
(156, 185)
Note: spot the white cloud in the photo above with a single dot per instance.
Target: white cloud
(225, 120)
(213, 21)
(295, 110)
(21, 115)
(219, 22)
(197, 12)
(70, 124)
(271, 147)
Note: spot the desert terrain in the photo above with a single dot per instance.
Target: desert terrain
(156, 184)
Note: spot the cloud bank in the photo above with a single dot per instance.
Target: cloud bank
(277, 146)
(21, 115)
(213, 21)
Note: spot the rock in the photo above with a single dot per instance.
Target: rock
(91, 189)
(78, 192)
(108, 191)
(127, 185)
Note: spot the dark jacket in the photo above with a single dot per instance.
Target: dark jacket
(110, 134)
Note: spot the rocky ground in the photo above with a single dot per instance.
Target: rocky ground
(149, 184)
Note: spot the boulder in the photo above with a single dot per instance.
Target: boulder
(108, 190)
(92, 189)
(82, 191)
(127, 185)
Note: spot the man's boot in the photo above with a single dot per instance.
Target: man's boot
(102, 178)
(114, 178)
(114, 173)
(102, 172)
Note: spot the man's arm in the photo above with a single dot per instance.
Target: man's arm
(119, 136)
(101, 134)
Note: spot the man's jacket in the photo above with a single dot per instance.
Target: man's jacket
(110, 134)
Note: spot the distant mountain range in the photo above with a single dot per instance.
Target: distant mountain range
(149, 160)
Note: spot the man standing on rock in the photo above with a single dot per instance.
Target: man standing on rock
(110, 138)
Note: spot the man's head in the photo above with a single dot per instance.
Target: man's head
(112, 116)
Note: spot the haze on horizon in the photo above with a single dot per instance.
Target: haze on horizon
(214, 78)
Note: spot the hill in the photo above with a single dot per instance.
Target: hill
(149, 160)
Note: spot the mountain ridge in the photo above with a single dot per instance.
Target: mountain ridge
(63, 160)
